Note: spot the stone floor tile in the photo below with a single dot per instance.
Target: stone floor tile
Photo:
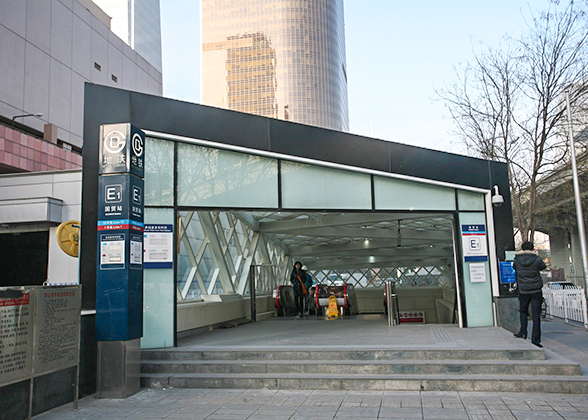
(411, 404)
(215, 416)
(235, 411)
(256, 416)
(434, 413)
(400, 412)
(572, 415)
(536, 415)
(580, 407)
(400, 417)
(360, 412)
(505, 416)
(188, 416)
(305, 410)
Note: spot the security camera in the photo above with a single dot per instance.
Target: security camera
(497, 199)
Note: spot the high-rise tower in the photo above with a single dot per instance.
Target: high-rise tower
(277, 58)
(138, 23)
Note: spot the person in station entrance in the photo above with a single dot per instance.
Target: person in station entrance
(297, 278)
(527, 265)
(308, 282)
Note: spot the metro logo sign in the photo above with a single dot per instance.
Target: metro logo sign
(122, 149)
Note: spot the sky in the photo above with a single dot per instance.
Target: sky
(399, 53)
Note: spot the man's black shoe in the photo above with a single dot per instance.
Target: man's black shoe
(539, 345)
(519, 335)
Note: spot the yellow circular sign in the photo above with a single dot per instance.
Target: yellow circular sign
(68, 237)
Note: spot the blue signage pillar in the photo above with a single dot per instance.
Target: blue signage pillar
(119, 266)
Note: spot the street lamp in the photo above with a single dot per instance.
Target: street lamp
(576, 182)
(38, 115)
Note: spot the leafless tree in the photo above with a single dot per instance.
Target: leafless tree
(508, 104)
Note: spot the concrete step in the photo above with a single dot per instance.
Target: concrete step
(344, 354)
(479, 383)
(320, 367)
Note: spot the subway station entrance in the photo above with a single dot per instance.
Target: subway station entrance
(237, 209)
(235, 192)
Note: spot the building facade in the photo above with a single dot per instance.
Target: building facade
(138, 24)
(276, 58)
(48, 50)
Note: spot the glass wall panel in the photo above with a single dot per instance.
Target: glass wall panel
(476, 275)
(219, 178)
(314, 187)
(216, 264)
(159, 172)
(395, 194)
(470, 201)
(158, 294)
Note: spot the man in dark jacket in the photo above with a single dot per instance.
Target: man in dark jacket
(297, 278)
(527, 264)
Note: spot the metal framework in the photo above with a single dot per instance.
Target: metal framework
(217, 249)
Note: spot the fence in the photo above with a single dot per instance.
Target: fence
(567, 302)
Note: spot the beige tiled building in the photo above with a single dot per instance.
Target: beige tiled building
(277, 58)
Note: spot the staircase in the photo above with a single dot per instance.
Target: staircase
(360, 368)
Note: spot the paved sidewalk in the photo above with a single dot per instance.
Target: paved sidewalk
(256, 404)
(569, 340)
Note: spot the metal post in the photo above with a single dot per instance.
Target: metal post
(579, 214)
(391, 304)
(565, 303)
(252, 293)
(456, 273)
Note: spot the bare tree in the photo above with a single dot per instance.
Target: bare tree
(508, 103)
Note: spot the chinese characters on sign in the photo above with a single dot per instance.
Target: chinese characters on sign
(477, 272)
(507, 273)
(57, 329)
(474, 243)
(16, 335)
(39, 331)
(158, 244)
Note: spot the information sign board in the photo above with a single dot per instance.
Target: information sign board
(57, 329)
(17, 308)
(119, 278)
(412, 317)
(477, 272)
(158, 244)
(474, 243)
(120, 197)
(507, 273)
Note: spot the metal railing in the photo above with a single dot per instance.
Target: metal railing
(566, 302)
